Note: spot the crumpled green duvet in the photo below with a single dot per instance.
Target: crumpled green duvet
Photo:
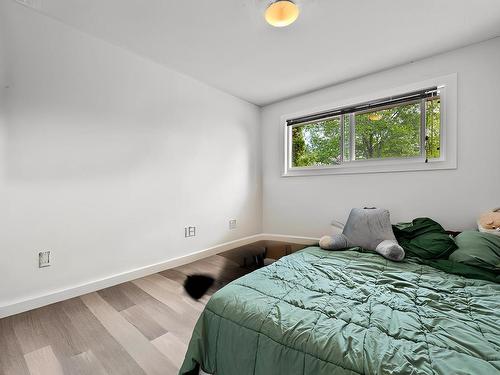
(424, 238)
(348, 312)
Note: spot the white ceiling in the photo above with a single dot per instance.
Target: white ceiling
(227, 44)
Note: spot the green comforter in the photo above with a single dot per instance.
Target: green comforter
(348, 312)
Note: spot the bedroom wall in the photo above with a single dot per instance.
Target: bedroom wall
(455, 198)
(2, 95)
(106, 156)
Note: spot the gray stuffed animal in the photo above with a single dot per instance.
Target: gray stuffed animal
(369, 228)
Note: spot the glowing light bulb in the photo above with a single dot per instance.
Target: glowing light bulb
(282, 13)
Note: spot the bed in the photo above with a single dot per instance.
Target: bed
(348, 312)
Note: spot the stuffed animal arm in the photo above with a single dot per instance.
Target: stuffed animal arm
(369, 228)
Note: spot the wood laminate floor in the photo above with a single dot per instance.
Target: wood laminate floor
(138, 327)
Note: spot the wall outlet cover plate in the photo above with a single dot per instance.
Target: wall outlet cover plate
(44, 259)
(189, 231)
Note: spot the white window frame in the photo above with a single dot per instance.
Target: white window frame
(447, 86)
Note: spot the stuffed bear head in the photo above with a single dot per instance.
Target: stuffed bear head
(490, 221)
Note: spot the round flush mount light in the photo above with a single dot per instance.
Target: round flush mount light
(281, 13)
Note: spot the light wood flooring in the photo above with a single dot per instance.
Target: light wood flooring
(139, 327)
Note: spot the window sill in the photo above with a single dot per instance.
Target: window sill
(360, 167)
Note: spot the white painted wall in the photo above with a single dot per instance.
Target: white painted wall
(3, 83)
(455, 198)
(106, 156)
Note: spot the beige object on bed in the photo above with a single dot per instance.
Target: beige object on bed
(489, 222)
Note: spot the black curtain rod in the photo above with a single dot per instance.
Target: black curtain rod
(397, 99)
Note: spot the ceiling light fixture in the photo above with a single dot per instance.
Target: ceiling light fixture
(281, 13)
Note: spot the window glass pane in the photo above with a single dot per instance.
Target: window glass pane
(316, 144)
(433, 125)
(347, 138)
(388, 133)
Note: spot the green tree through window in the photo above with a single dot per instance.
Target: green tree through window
(317, 143)
(433, 122)
(393, 132)
(388, 133)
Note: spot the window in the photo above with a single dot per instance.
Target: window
(393, 133)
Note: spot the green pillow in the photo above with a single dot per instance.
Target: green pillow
(462, 269)
(478, 249)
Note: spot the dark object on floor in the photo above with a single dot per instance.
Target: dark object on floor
(197, 285)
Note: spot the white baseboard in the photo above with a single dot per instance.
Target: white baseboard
(26, 304)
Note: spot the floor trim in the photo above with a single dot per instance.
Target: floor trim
(77, 290)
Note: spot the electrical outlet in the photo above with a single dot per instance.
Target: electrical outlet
(44, 259)
(232, 224)
(189, 231)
